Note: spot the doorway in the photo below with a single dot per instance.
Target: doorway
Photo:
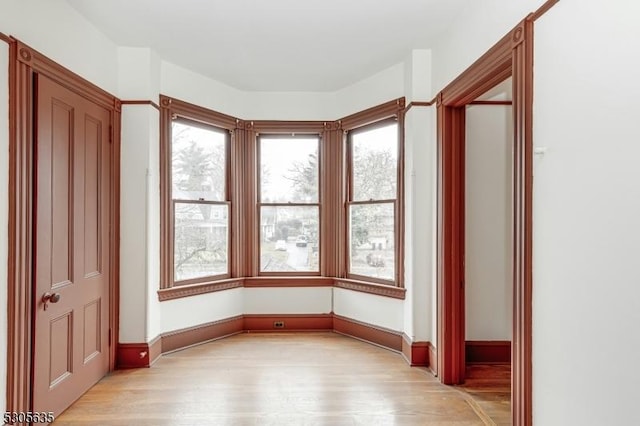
(488, 251)
(511, 57)
(63, 237)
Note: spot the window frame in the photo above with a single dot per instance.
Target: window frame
(242, 194)
(260, 204)
(384, 119)
(173, 110)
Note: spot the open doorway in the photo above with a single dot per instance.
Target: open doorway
(488, 252)
(511, 57)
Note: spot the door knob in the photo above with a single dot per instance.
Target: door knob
(50, 298)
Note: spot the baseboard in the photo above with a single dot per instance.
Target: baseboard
(381, 336)
(155, 350)
(433, 359)
(415, 353)
(290, 322)
(488, 351)
(186, 337)
(138, 355)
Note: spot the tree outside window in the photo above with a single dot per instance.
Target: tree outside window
(200, 209)
(372, 201)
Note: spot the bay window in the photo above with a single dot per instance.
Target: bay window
(251, 203)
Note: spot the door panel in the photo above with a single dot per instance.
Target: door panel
(56, 166)
(71, 210)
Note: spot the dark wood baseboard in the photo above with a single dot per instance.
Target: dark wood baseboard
(415, 353)
(138, 355)
(291, 322)
(180, 339)
(380, 336)
(488, 351)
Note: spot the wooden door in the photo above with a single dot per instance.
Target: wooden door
(71, 235)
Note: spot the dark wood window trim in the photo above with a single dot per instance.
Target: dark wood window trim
(171, 110)
(140, 102)
(281, 282)
(371, 288)
(413, 104)
(367, 120)
(287, 130)
(199, 288)
(24, 64)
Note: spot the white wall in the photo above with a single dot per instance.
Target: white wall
(488, 222)
(186, 85)
(586, 294)
(139, 79)
(55, 29)
(420, 187)
(291, 300)
(183, 313)
(475, 30)
(381, 87)
(4, 211)
(134, 247)
(369, 308)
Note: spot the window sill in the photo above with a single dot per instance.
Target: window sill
(200, 288)
(265, 282)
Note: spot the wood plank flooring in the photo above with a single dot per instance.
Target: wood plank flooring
(276, 379)
(489, 386)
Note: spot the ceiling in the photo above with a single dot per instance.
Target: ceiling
(276, 45)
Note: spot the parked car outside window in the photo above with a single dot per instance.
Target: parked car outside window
(301, 241)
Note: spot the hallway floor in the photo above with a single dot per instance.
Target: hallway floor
(280, 379)
(489, 385)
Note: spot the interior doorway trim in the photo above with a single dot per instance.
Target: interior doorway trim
(512, 57)
(25, 63)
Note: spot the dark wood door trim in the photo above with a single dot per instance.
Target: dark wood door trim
(24, 64)
(512, 57)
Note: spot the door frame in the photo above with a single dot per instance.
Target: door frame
(512, 57)
(24, 64)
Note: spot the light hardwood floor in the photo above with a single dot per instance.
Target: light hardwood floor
(276, 379)
(489, 386)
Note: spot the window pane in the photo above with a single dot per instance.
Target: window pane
(289, 239)
(198, 162)
(201, 235)
(375, 163)
(371, 234)
(289, 170)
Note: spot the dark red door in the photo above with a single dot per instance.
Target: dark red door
(72, 261)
